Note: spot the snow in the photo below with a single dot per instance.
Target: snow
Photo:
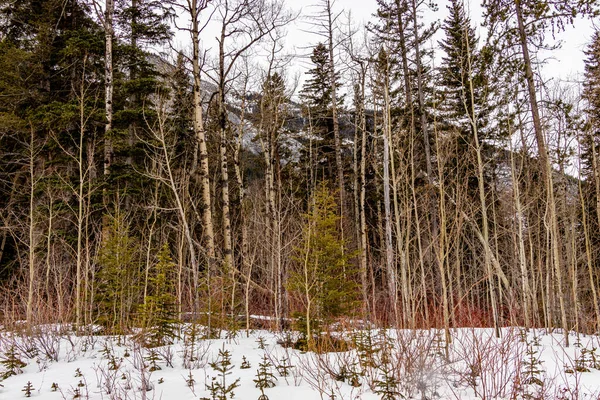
(477, 365)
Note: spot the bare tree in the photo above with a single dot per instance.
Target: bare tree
(243, 24)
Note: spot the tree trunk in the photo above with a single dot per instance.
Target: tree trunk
(195, 7)
(108, 86)
(32, 242)
(335, 118)
(487, 256)
(546, 169)
(390, 267)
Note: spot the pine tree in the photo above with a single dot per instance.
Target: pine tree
(325, 279)
(590, 159)
(159, 310)
(47, 60)
(591, 95)
(461, 63)
(220, 389)
(117, 284)
(28, 389)
(464, 66)
(317, 108)
(181, 116)
(401, 32)
(264, 377)
(11, 363)
(137, 79)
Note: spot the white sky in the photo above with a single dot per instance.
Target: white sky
(564, 64)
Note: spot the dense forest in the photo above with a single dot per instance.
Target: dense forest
(410, 186)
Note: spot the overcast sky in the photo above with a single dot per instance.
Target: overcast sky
(565, 63)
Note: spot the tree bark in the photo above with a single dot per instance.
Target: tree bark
(545, 168)
(195, 6)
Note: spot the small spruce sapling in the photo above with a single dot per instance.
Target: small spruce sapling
(117, 280)
(219, 388)
(190, 381)
(586, 361)
(367, 347)
(245, 363)
(12, 363)
(159, 310)
(28, 389)
(190, 339)
(284, 368)
(264, 377)
(387, 384)
(532, 375)
(153, 358)
(348, 375)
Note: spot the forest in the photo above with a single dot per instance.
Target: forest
(146, 180)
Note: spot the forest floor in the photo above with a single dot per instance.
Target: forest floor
(50, 362)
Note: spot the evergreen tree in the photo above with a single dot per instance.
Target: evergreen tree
(460, 65)
(50, 53)
(317, 108)
(117, 281)
(181, 113)
(141, 24)
(463, 102)
(590, 144)
(591, 95)
(325, 278)
(159, 310)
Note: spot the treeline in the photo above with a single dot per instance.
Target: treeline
(141, 187)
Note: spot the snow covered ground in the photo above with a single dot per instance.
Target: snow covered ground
(380, 365)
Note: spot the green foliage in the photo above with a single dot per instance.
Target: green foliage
(284, 367)
(28, 389)
(219, 388)
(190, 356)
(11, 363)
(348, 374)
(586, 360)
(107, 353)
(261, 342)
(386, 385)
(153, 358)
(41, 75)
(367, 347)
(245, 363)
(118, 280)
(532, 376)
(317, 94)
(159, 311)
(264, 377)
(325, 278)
(462, 63)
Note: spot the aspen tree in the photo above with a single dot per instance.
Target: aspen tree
(532, 20)
(390, 265)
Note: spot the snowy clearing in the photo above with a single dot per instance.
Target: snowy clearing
(56, 364)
